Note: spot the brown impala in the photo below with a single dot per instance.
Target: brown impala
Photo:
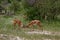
(18, 22)
(37, 22)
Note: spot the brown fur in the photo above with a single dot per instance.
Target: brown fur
(37, 22)
(18, 22)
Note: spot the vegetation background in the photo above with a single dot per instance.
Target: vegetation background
(47, 11)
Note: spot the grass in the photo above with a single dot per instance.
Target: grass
(52, 26)
(6, 27)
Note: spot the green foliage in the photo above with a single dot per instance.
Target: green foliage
(38, 10)
(32, 13)
(25, 4)
(50, 8)
(15, 6)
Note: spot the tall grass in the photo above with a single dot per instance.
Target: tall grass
(6, 27)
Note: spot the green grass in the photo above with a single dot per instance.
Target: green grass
(6, 27)
(52, 26)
